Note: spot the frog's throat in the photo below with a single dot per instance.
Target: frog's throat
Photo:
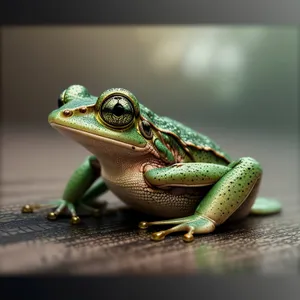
(83, 137)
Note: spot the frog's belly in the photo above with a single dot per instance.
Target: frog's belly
(178, 202)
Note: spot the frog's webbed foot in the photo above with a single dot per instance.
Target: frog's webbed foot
(59, 207)
(192, 224)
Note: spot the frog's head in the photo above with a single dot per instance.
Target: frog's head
(102, 124)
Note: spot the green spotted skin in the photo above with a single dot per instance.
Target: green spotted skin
(154, 164)
(191, 174)
(201, 147)
(231, 190)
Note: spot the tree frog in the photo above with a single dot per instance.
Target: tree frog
(154, 164)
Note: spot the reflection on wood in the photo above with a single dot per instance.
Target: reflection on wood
(113, 244)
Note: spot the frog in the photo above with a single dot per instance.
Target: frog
(154, 164)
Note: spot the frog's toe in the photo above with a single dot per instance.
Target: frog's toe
(64, 206)
(192, 225)
(188, 237)
(143, 225)
(30, 208)
(158, 236)
(59, 207)
(52, 216)
(27, 208)
(75, 220)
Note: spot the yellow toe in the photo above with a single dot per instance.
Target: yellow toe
(158, 236)
(143, 225)
(188, 237)
(27, 209)
(51, 216)
(75, 220)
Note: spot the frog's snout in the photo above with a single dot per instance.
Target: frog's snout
(52, 117)
(55, 116)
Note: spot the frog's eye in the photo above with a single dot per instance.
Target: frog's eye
(71, 93)
(117, 111)
(145, 129)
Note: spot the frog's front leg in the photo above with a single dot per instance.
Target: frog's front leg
(231, 186)
(81, 188)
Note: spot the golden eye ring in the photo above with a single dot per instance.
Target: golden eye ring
(117, 112)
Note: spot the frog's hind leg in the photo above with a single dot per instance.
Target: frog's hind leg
(265, 206)
(235, 184)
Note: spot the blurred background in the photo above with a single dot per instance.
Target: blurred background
(237, 84)
(227, 77)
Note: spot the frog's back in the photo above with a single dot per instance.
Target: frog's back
(197, 143)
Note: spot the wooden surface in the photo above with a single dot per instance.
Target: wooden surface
(35, 168)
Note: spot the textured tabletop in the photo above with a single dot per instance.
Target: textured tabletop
(35, 171)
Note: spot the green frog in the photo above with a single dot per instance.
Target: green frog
(154, 164)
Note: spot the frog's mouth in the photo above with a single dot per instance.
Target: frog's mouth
(94, 142)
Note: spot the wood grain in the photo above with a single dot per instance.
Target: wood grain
(112, 244)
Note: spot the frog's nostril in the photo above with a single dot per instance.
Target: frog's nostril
(67, 113)
(83, 109)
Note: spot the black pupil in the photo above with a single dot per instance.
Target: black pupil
(118, 110)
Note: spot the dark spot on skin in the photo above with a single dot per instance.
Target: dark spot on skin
(83, 110)
(133, 148)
